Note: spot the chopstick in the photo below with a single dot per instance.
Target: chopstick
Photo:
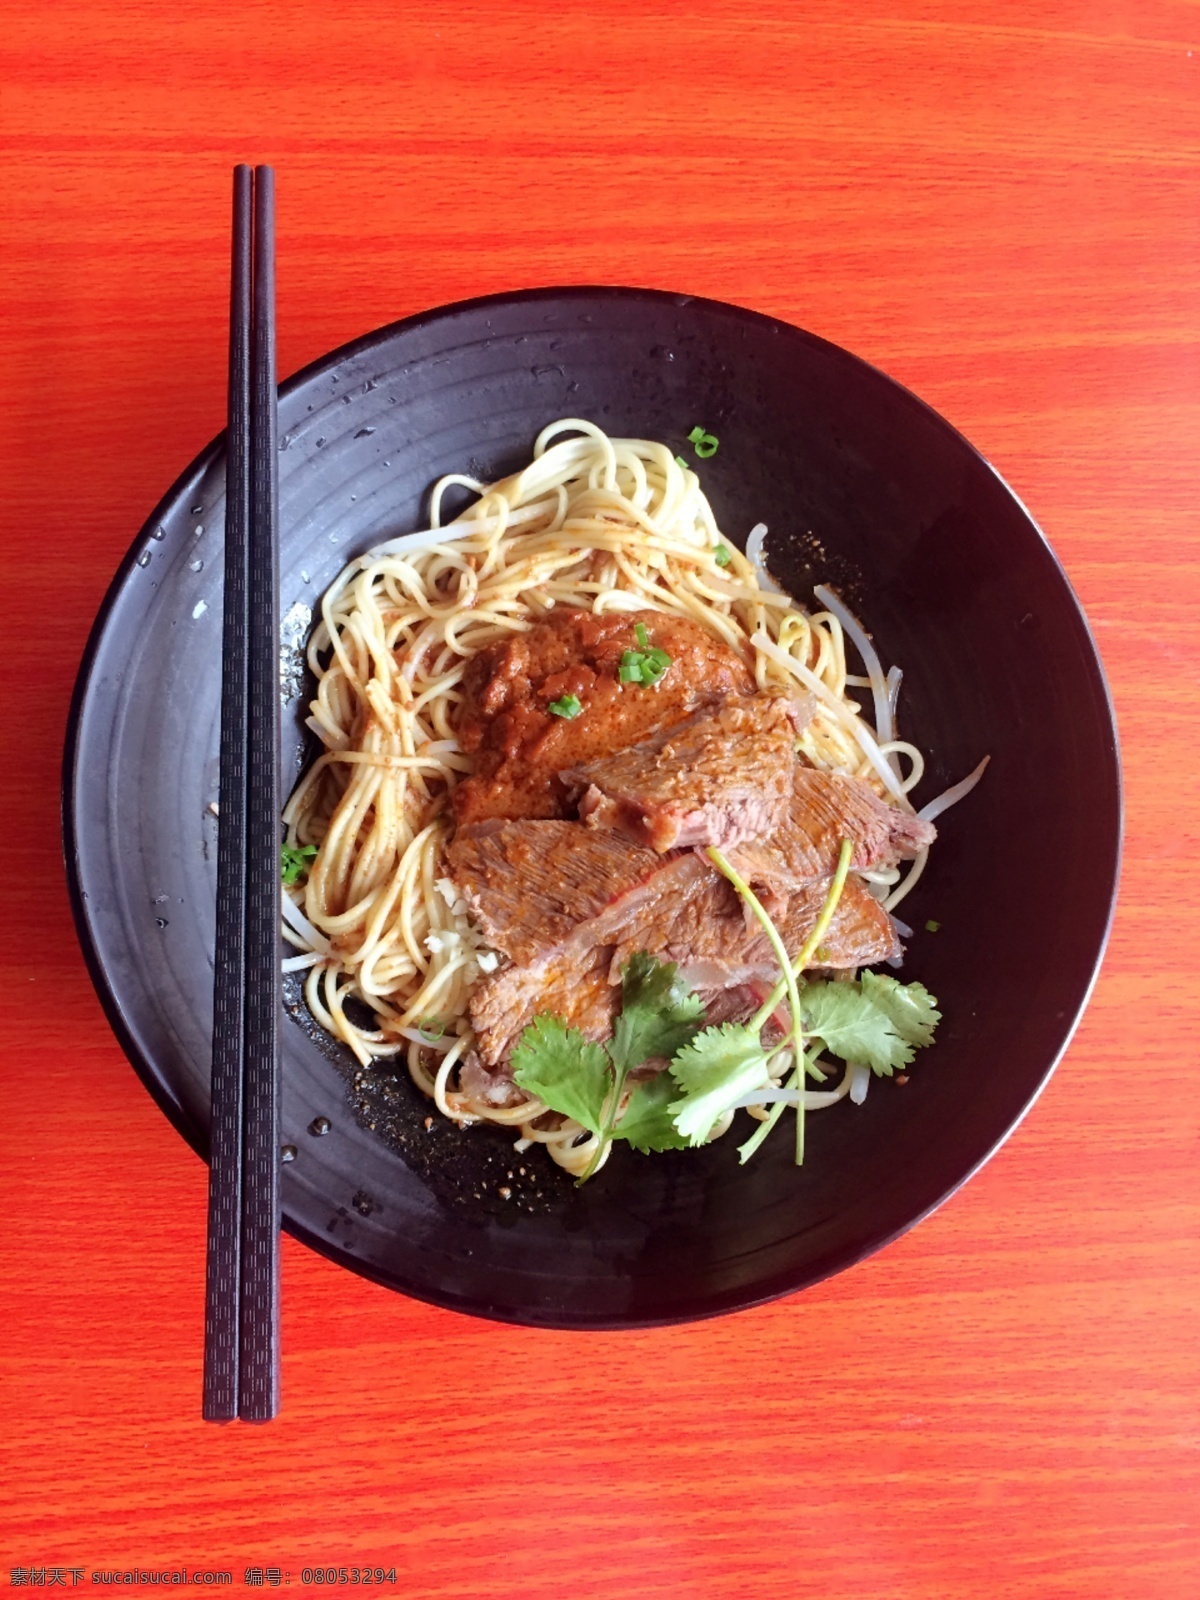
(241, 1346)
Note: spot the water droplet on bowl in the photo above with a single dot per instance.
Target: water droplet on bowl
(319, 1126)
(289, 1153)
(162, 922)
(198, 530)
(195, 566)
(144, 559)
(364, 433)
(159, 533)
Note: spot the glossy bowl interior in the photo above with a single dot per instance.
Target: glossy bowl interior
(859, 483)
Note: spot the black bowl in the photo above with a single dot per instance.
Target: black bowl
(859, 482)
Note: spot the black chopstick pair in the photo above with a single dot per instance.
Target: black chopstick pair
(241, 1344)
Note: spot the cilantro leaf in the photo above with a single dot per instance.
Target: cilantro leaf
(714, 1071)
(659, 1013)
(910, 1007)
(876, 1022)
(647, 1123)
(559, 1066)
(294, 860)
(853, 1028)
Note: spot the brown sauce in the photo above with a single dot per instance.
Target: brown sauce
(519, 747)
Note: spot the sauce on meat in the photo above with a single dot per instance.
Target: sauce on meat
(519, 747)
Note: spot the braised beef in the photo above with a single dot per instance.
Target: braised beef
(715, 946)
(826, 808)
(519, 746)
(721, 776)
(568, 902)
(534, 886)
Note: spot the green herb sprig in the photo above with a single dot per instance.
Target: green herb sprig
(294, 861)
(723, 1069)
(586, 1081)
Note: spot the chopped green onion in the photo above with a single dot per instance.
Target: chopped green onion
(654, 663)
(642, 637)
(680, 462)
(932, 927)
(432, 1028)
(643, 666)
(704, 444)
(722, 556)
(294, 860)
(567, 705)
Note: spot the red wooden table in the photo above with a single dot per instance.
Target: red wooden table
(997, 204)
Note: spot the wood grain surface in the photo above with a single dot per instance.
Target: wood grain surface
(996, 203)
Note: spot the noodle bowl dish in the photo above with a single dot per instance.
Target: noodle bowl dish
(559, 735)
(687, 733)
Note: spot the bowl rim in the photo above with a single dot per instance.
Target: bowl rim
(155, 1082)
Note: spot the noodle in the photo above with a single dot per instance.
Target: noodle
(593, 522)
